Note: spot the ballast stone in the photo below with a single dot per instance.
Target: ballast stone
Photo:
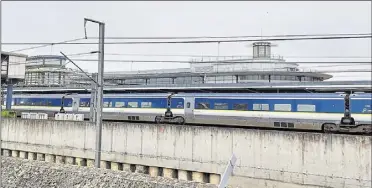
(18, 172)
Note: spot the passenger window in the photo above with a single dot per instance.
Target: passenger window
(132, 104)
(84, 104)
(145, 104)
(240, 106)
(21, 102)
(106, 104)
(69, 104)
(265, 107)
(282, 107)
(221, 106)
(119, 104)
(179, 105)
(261, 107)
(188, 105)
(203, 105)
(306, 108)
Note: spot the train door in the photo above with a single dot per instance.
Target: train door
(75, 104)
(189, 108)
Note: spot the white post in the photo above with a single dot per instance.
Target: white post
(228, 172)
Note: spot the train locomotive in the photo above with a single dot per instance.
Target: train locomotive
(329, 112)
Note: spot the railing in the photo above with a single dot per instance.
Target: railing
(214, 59)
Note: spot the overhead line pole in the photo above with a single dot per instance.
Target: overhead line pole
(1, 65)
(99, 101)
(78, 67)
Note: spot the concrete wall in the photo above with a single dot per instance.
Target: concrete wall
(265, 158)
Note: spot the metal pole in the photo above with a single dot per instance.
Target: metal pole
(93, 100)
(9, 96)
(1, 90)
(100, 94)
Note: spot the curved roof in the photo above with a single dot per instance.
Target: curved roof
(185, 74)
(45, 57)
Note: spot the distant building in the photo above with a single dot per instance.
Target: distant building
(261, 67)
(49, 71)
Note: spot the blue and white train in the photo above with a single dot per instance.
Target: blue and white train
(306, 111)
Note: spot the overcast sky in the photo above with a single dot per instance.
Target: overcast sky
(59, 21)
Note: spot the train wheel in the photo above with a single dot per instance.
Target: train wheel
(328, 128)
(158, 119)
(180, 120)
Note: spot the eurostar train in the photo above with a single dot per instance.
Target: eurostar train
(306, 111)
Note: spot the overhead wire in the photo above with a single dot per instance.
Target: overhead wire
(196, 41)
(224, 37)
(237, 61)
(45, 45)
(223, 56)
(73, 41)
(197, 62)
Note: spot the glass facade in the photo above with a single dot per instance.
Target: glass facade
(46, 71)
(189, 80)
(45, 78)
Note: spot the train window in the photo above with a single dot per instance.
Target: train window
(84, 104)
(265, 107)
(240, 106)
(180, 105)
(202, 105)
(119, 104)
(106, 104)
(69, 104)
(145, 104)
(256, 106)
(306, 108)
(282, 107)
(221, 106)
(132, 104)
(261, 107)
(49, 103)
(22, 102)
(188, 105)
(42, 103)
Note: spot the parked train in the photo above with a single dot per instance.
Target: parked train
(306, 111)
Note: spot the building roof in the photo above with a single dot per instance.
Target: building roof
(46, 57)
(188, 74)
(13, 54)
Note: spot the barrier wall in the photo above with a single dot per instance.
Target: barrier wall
(265, 158)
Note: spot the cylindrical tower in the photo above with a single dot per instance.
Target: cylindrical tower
(261, 50)
(48, 70)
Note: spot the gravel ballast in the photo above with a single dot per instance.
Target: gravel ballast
(38, 174)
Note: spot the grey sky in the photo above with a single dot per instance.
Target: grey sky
(58, 21)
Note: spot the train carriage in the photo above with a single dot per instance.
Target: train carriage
(310, 111)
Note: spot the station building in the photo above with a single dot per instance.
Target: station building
(262, 72)
(262, 67)
(49, 71)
